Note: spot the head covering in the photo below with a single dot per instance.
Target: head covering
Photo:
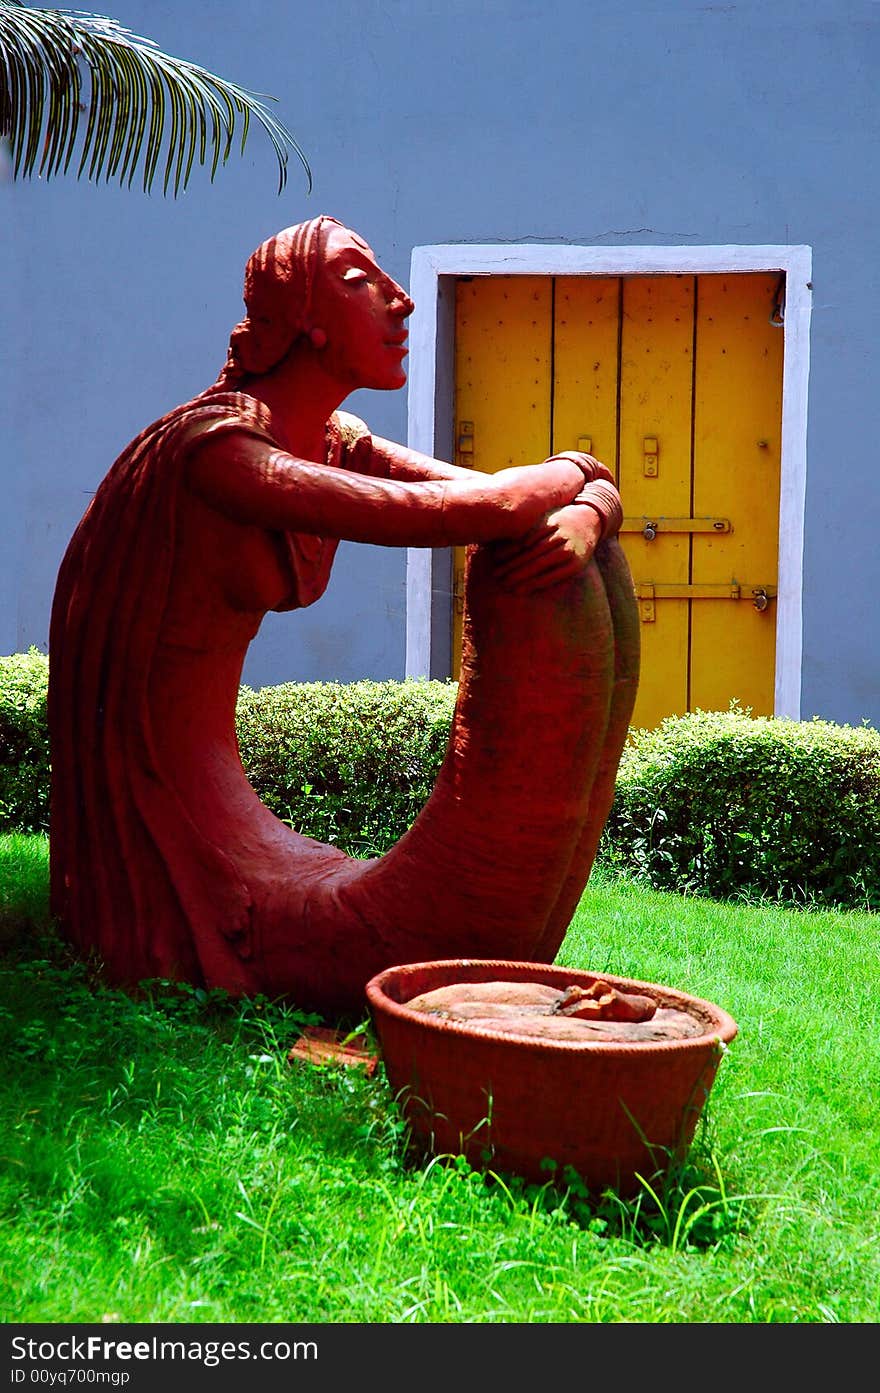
(278, 282)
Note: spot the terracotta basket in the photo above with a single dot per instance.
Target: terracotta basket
(609, 1109)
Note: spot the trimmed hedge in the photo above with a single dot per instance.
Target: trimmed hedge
(24, 743)
(351, 764)
(725, 804)
(715, 803)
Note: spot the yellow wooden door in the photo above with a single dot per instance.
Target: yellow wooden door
(675, 382)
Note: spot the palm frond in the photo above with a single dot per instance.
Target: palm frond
(138, 100)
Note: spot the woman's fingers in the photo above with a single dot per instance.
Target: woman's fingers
(511, 548)
(525, 557)
(541, 572)
(592, 468)
(553, 552)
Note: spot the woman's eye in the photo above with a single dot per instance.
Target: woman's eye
(354, 273)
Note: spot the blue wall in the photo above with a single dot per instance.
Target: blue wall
(589, 121)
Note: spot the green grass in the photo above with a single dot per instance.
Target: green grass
(160, 1161)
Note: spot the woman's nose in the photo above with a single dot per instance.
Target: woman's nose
(399, 300)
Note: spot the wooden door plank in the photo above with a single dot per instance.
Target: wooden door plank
(656, 379)
(502, 368)
(503, 349)
(737, 454)
(585, 357)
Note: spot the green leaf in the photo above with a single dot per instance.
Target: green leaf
(139, 101)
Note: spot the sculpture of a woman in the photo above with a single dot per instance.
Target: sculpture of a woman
(163, 859)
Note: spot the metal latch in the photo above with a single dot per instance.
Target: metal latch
(648, 592)
(652, 457)
(650, 526)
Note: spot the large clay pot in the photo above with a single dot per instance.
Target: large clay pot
(612, 1110)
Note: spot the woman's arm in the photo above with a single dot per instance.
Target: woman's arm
(395, 461)
(558, 547)
(245, 478)
(400, 462)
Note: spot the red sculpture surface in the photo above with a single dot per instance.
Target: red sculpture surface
(163, 859)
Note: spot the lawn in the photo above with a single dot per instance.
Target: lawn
(162, 1162)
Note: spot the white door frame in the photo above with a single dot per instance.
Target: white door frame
(430, 347)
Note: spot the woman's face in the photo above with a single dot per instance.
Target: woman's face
(361, 310)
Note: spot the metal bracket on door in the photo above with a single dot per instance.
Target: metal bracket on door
(465, 444)
(458, 592)
(648, 593)
(649, 526)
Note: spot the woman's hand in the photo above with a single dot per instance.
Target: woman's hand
(508, 504)
(590, 467)
(554, 551)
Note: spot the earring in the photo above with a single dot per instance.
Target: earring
(318, 338)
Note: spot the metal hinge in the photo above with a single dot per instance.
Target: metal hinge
(458, 592)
